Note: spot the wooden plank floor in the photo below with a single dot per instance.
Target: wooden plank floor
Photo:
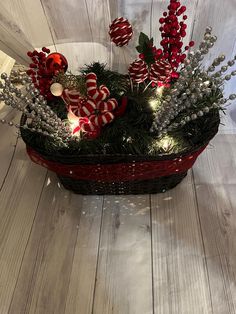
(166, 253)
(171, 253)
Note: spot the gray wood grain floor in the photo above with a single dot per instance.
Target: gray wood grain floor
(166, 253)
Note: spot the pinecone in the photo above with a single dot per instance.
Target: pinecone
(160, 71)
(138, 71)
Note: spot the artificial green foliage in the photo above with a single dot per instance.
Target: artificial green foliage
(130, 133)
(58, 106)
(198, 130)
(71, 81)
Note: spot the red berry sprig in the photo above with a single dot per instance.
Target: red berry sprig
(148, 52)
(173, 31)
(38, 72)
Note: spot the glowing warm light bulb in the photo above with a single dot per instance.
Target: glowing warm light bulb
(153, 103)
(77, 123)
(160, 90)
(74, 123)
(167, 142)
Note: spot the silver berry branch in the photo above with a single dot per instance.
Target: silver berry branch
(196, 92)
(40, 117)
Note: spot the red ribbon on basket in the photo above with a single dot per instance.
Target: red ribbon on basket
(130, 171)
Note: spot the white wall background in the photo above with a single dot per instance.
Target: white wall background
(78, 29)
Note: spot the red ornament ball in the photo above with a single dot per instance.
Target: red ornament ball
(55, 63)
(138, 71)
(160, 71)
(120, 31)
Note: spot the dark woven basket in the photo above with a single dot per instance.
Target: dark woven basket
(99, 187)
(152, 186)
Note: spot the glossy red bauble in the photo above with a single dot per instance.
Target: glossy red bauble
(55, 63)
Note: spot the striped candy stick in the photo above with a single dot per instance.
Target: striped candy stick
(91, 106)
(90, 127)
(77, 122)
(93, 91)
(81, 122)
(73, 100)
(109, 105)
(88, 108)
(70, 96)
(91, 131)
(102, 119)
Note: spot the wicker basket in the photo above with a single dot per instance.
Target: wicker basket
(118, 174)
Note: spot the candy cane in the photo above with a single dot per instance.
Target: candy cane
(76, 107)
(109, 105)
(102, 119)
(89, 108)
(73, 100)
(89, 127)
(81, 123)
(93, 91)
(71, 96)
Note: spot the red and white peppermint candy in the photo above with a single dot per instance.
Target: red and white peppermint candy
(138, 71)
(93, 91)
(120, 31)
(160, 71)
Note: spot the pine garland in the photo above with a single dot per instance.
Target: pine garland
(129, 134)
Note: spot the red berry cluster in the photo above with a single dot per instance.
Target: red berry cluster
(173, 32)
(39, 73)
